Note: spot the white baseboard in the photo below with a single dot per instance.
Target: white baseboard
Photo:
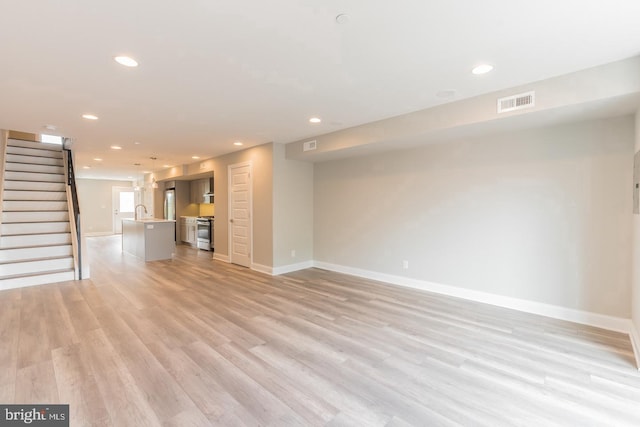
(221, 257)
(612, 323)
(276, 271)
(262, 268)
(635, 342)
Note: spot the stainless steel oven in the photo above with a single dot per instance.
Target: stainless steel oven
(204, 233)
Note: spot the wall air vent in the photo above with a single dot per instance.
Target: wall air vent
(309, 145)
(516, 102)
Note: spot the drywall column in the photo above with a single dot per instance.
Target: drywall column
(3, 147)
(635, 265)
(292, 213)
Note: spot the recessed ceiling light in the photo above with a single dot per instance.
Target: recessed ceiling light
(167, 166)
(482, 69)
(146, 171)
(126, 61)
(116, 147)
(97, 159)
(238, 143)
(50, 127)
(90, 117)
(195, 157)
(86, 167)
(136, 142)
(315, 120)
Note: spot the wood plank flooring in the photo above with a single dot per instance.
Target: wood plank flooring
(195, 342)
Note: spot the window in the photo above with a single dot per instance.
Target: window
(126, 202)
(51, 139)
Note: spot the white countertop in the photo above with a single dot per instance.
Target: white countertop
(148, 220)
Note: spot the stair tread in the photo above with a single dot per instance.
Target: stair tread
(28, 260)
(36, 234)
(39, 273)
(52, 245)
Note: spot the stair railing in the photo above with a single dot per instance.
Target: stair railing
(75, 219)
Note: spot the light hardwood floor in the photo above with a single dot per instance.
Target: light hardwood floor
(193, 342)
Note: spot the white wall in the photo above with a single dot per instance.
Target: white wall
(292, 209)
(542, 215)
(635, 302)
(96, 204)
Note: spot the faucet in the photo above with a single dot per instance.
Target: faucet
(136, 210)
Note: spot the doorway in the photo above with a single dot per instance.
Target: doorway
(240, 212)
(124, 202)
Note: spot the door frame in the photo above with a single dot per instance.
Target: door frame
(229, 210)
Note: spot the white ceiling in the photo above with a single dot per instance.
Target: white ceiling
(213, 72)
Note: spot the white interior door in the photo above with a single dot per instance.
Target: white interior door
(240, 201)
(124, 202)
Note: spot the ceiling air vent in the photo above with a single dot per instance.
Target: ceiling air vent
(516, 102)
(309, 145)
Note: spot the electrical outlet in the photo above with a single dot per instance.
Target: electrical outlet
(405, 264)
(293, 253)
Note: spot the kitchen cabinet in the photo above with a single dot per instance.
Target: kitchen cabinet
(198, 188)
(188, 230)
(149, 239)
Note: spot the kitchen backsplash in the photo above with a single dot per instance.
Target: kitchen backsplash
(207, 209)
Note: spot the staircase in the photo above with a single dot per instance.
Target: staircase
(35, 233)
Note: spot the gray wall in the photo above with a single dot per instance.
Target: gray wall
(96, 204)
(262, 160)
(292, 209)
(542, 215)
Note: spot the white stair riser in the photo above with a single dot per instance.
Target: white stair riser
(33, 144)
(11, 217)
(51, 161)
(32, 176)
(23, 254)
(40, 279)
(29, 167)
(38, 205)
(37, 186)
(34, 228)
(34, 195)
(30, 267)
(7, 242)
(34, 152)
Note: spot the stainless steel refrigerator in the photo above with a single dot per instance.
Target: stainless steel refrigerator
(170, 208)
(170, 203)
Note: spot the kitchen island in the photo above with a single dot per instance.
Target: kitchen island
(149, 239)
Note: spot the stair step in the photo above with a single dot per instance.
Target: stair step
(30, 167)
(34, 152)
(34, 186)
(52, 216)
(33, 176)
(34, 205)
(18, 158)
(35, 195)
(41, 252)
(34, 228)
(37, 279)
(36, 266)
(33, 144)
(33, 240)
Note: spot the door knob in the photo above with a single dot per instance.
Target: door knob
(231, 220)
